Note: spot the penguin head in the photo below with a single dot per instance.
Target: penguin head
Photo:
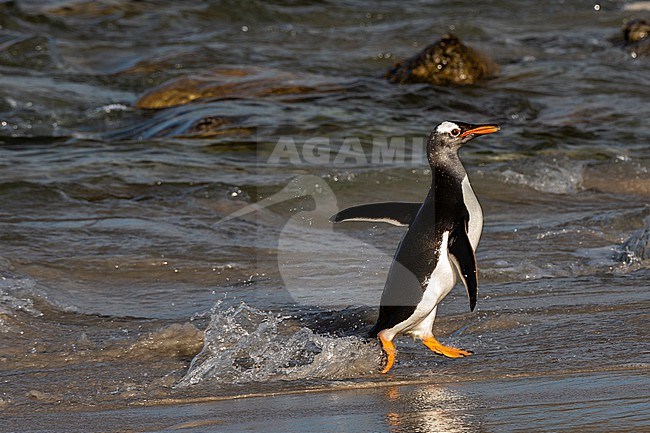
(450, 136)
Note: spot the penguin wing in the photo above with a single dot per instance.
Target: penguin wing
(465, 260)
(395, 212)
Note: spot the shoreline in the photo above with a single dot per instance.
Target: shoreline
(485, 404)
(342, 385)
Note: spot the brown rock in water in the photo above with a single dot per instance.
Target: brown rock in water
(211, 84)
(448, 61)
(213, 126)
(636, 30)
(635, 37)
(230, 83)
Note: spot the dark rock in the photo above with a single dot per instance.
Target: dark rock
(635, 37)
(445, 62)
(636, 30)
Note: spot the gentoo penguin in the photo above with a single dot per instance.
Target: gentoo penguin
(442, 236)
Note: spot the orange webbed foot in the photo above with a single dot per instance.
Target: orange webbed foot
(449, 352)
(389, 348)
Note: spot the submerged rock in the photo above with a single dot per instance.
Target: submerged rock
(445, 62)
(636, 30)
(230, 83)
(201, 105)
(635, 37)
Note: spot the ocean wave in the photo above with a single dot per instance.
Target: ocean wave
(557, 176)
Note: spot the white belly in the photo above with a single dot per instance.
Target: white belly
(440, 283)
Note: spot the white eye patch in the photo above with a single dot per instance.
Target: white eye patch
(446, 127)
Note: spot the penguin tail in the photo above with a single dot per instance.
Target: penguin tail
(383, 322)
(374, 331)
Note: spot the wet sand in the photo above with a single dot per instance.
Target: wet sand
(596, 401)
(576, 360)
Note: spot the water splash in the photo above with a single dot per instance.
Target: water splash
(11, 290)
(636, 248)
(243, 345)
(12, 302)
(555, 176)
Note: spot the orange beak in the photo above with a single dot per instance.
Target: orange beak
(481, 130)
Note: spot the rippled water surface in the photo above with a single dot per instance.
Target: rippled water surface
(163, 249)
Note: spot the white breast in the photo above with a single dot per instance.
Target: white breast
(475, 213)
(438, 285)
(442, 279)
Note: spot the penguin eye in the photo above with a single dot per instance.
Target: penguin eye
(454, 132)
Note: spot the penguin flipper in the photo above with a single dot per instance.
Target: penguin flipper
(395, 213)
(465, 260)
